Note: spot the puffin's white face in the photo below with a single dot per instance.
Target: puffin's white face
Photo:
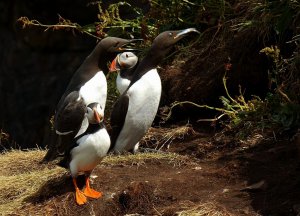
(95, 113)
(127, 60)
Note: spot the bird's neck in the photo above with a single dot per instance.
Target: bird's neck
(98, 59)
(153, 58)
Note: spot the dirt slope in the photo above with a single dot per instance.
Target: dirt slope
(152, 188)
(211, 177)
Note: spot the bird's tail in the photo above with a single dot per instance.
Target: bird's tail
(52, 143)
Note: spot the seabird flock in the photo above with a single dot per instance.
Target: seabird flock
(83, 140)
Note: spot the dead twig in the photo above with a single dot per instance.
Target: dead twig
(279, 90)
(62, 24)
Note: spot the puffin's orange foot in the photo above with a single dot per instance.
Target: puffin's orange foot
(89, 192)
(80, 197)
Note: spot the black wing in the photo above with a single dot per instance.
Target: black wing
(117, 118)
(68, 120)
(70, 115)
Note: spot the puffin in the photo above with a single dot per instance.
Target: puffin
(125, 63)
(78, 121)
(85, 151)
(135, 110)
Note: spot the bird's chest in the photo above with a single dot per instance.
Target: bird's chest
(144, 96)
(95, 89)
(122, 83)
(93, 147)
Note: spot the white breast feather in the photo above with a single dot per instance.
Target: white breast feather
(95, 90)
(122, 83)
(90, 151)
(144, 96)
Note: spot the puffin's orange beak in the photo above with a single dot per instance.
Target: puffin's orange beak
(97, 116)
(113, 66)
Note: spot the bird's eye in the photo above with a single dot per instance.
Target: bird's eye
(170, 33)
(126, 55)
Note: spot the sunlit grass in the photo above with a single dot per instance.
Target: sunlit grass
(203, 209)
(22, 174)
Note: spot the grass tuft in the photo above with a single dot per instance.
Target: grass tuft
(141, 158)
(21, 176)
(203, 209)
(159, 138)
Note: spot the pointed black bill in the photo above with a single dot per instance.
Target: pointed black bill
(184, 32)
(128, 45)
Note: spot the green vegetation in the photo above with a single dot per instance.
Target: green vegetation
(273, 24)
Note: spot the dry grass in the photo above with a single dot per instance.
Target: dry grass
(21, 174)
(163, 137)
(15, 161)
(141, 158)
(203, 209)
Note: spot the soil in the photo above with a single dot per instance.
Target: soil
(222, 176)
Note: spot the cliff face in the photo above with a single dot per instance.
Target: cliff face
(36, 66)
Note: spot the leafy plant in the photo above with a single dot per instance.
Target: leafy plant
(219, 20)
(287, 115)
(276, 108)
(109, 22)
(285, 111)
(268, 17)
(235, 109)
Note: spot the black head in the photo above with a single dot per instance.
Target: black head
(161, 45)
(117, 45)
(109, 47)
(166, 40)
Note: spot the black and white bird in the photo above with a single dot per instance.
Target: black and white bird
(90, 78)
(125, 63)
(134, 112)
(85, 150)
(82, 137)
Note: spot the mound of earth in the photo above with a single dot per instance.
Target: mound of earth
(211, 175)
